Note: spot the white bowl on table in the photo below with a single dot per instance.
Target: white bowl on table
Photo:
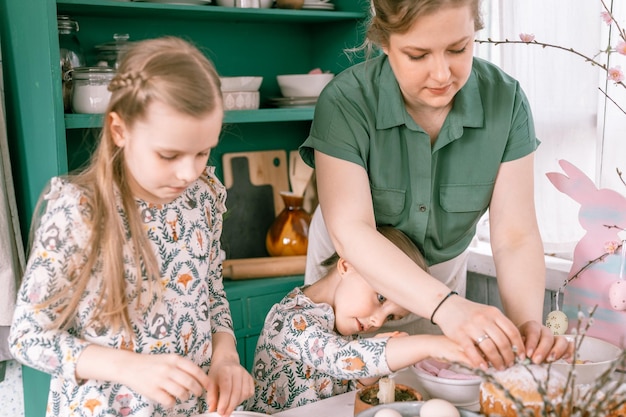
(408, 409)
(594, 357)
(303, 85)
(461, 391)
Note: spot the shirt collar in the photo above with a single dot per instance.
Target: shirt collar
(467, 110)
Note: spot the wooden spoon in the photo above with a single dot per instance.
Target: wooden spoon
(300, 173)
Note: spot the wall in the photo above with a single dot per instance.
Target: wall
(11, 391)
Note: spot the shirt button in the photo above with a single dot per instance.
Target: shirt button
(422, 208)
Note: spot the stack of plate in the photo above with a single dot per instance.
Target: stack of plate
(291, 102)
(318, 5)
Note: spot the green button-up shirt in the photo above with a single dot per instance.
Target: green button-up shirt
(435, 194)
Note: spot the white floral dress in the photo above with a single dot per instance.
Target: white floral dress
(300, 358)
(185, 236)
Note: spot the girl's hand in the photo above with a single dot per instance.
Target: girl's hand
(395, 333)
(446, 350)
(164, 378)
(228, 386)
(542, 345)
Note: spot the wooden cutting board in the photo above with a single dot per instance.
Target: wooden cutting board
(253, 182)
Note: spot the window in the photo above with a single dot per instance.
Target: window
(573, 119)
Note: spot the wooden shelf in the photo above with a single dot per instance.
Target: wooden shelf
(86, 121)
(127, 9)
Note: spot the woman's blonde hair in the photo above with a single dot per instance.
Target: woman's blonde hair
(397, 16)
(167, 70)
(398, 238)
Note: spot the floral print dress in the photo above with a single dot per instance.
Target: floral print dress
(300, 358)
(185, 236)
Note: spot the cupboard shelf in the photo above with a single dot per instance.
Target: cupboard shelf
(86, 121)
(126, 9)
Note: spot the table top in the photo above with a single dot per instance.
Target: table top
(343, 405)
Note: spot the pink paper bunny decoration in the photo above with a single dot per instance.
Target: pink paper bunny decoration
(602, 215)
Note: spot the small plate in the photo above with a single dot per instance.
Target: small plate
(408, 409)
(290, 102)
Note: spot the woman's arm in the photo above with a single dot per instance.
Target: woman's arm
(345, 199)
(519, 258)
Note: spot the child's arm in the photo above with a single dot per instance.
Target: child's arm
(364, 382)
(162, 378)
(229, 383)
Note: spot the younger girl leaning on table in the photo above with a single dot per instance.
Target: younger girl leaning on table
(122, 300)
(311, 346)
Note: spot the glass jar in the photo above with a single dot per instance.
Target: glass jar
(90, 93)
(71, 55)
(110, 53)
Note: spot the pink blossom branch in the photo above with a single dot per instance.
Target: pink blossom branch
(549, 45)
(589, 263)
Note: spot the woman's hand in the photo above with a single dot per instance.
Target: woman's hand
(542, 345)
(484, 332)
(229, 385)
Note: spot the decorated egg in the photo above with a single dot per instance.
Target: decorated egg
(387, 412)
(437, 407)
(617, 295)
(557, 322)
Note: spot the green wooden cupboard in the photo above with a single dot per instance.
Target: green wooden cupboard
(44, 141)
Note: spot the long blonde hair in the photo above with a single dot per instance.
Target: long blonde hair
(168, 70)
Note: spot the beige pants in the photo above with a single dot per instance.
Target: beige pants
(453, 273)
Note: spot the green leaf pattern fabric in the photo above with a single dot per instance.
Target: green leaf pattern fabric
(300, 358)
(185, 236)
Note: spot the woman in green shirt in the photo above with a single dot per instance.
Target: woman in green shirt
(426, 138)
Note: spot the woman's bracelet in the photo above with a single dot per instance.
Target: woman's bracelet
(450, 294)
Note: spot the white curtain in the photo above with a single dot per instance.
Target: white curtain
(563, 92)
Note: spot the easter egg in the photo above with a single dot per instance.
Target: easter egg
(557, 322)
(387, 412)
(437, 407)
(617, 295)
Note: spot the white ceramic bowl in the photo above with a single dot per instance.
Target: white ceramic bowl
(408, 409)
(265, 4)
(459, 392)
(597, 356)
(241, 83)
(241, 100)
(303, 85)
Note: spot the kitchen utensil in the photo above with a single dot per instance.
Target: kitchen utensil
(289, 4)
(241, 100)
(408, 409)
(72, 55)
(263, 267)
(90, 93)
(303, 85)
(253, 181)
(243, 83)
(300, 173)
(247, 4)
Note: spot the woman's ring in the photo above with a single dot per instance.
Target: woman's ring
(482, 338)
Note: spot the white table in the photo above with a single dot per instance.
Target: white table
(343, 405)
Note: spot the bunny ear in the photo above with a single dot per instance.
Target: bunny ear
(575, 184)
